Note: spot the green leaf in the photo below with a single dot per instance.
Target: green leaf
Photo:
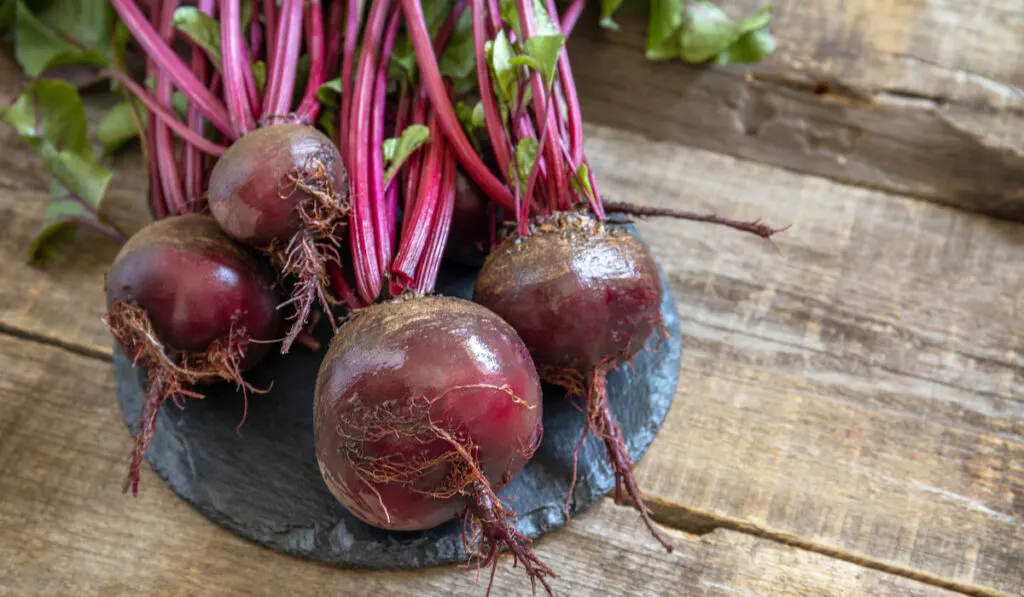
(751, 47)
(38, 47)
(51, 113)
(329, 93)
(8, 14)
(708, 32)
(479, 118)
(506, 74)
(58, 229)
(82, 178)
(526, 157)
(542, 21)
(87, 22)
(542, 55)
(407, 143)
(202, 29)
(328, 122)
(118, 127)
(465, 114)
(259, 74)
(459, 60)
(581, 182)
(666, 19)
(608, 10)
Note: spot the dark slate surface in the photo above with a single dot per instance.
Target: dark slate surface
(265, 485)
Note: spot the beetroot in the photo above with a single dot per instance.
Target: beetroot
(190, 306)
(584, 296)
(283, 188)
(425, 408)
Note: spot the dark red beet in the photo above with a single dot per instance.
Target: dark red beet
(187, 303)
(425, 408)
(283, 188)
(584, 297)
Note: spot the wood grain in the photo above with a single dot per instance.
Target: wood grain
(916, 97)
(863, 394)
(65, 529)
(866, 391)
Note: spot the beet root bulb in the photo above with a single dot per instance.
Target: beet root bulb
(584, 296)
(425, 408)
(283, 189)
(190, 306)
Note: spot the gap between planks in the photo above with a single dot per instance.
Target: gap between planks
(687, 519)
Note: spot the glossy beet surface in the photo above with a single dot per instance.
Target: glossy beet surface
(399, 371)
(190, 278)
(581, 293)
(251, 191)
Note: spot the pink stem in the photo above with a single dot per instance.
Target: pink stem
(309, 107)
(166, 60)
(422, 214)
(164, 115)
(471, 163)
(174, 194)
(256, 40)
(277, 101)
(385, 250)
(234, 67)
(270, 26)
(335, 22)
(368, 273)
(430, 262)
(419, 116)
(354, 18)
(196, 123)
(492, 116)
(568, 87)
(571, 15)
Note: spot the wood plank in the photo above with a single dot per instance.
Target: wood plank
(866, 391)
(917, 97)
(65, 529)
(881, 358)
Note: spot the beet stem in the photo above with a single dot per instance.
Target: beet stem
(234, 66)
(174, 194)
(382, 228)
(309, 107)
(282, 70)
(168, 61)
(430, 261)
(500, 143)
(163, 114)
(270, 27)
(571, 15)
(354, 18)
(430, 73)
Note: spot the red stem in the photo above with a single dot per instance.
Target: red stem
(412, 182)
(166, 60)
(192, 156)
(234, 67)
(364, 246)
(174, 194)
(335, 22)
(430, 74)
(354, 19)
(162, 114)
(256, 41)
(568, 88)
(277, 101)
(430, 263)
(270, 26)
(492, 116)
(309, 107)
(382, 228)
(418, 220)
(571, 15)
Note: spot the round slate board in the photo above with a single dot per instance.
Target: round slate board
(265, 485)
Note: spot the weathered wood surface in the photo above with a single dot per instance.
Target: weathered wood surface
(65, 528)
(861, 395)
(919, 97)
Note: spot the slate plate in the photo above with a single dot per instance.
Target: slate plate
(265, 485)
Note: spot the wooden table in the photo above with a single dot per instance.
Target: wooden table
(850, 417)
